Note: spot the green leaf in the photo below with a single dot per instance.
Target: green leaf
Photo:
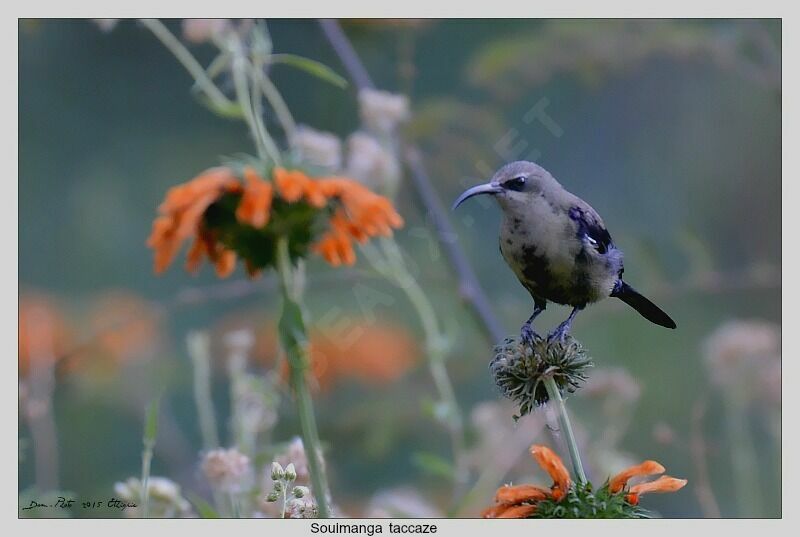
(151, 422)
(204, 509)
(434, 464)
(312, 67)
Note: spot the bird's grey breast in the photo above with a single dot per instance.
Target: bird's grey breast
(560, 251)
(540, 245)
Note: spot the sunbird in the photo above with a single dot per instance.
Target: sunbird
(557, 246)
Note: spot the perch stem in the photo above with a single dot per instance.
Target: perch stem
(566, 427)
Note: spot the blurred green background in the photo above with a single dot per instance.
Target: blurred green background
(670, 129)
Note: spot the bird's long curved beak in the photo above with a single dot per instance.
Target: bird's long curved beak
(487, 188)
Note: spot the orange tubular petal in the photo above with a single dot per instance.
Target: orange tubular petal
(194, 257)
(225, 263)
(290, 184)
(163, 241)
(256, 201)
(552, 464)
(314, 195)
(494, 511)
(182, 213)
(327, 248)
(518, 511)
(618, 482)
(179, 197)
(632, 498)
(346, 252)
(252, 271)
(664, 483)
(509, 495)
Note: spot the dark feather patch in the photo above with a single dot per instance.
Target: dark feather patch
(590, 227)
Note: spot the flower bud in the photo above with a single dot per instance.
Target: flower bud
(277, 486)
(277, 472)
(300, 492)
(272, 497)
(290, 474)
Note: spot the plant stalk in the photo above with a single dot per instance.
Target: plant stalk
(744, 459)
(566, 427)
(198, 344)
(147, 457)
(389, 262)
(189, 62)
(294, 339)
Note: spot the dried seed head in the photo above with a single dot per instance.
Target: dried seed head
(520, 370)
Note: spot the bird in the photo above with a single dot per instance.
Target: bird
(558, 247)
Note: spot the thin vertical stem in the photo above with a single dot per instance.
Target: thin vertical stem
(147, 457)
(293, 337)
(198, 345)
(390, 263)
(744, 458)
(566, 427)
(468, 284)
(186, 59)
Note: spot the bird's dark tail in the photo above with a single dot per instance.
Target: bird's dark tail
(646, 309)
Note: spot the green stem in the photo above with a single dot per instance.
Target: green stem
(235, 509)
(147, 457)
(566, 427)
(278, 105)
(391, 264)
(293, 336)
(186, 59)
(198, 344)
(744, 458)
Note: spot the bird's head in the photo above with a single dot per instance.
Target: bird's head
(514, 185)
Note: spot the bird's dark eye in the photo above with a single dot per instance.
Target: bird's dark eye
(518, 183)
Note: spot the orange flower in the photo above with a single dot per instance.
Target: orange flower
(358, 213)
(181, 215)
(521, 501)
(43, 332)
(126, 325)
(374, 354)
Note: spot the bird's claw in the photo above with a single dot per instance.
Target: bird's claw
(559, 334)
(527, 334)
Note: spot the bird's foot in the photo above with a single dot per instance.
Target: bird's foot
(527, 334)
(559, 334)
